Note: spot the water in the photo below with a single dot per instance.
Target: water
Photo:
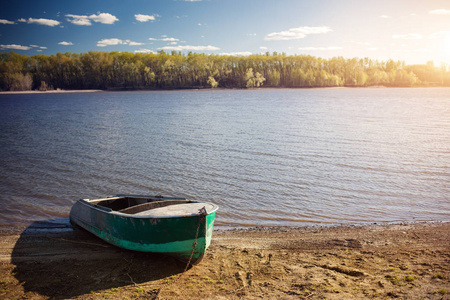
(266, 157)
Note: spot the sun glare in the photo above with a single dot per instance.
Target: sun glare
(444, 49)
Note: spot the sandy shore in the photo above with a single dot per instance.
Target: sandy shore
(379, 261)
(49, 92)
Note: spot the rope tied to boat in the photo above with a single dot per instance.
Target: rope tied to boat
(201, 220)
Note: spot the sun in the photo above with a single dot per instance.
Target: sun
(444, 51)
(441, 41)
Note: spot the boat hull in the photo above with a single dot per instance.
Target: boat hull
(186, 237)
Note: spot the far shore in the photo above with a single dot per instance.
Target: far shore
(209, 89)
(48, 92)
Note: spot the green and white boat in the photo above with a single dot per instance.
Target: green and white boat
(173, 226)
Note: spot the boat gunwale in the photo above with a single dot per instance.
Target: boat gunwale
(87, 202)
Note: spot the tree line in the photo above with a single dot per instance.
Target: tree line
(124, 70)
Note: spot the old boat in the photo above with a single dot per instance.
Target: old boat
(174, 226)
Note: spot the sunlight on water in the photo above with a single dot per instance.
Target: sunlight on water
(266, 157)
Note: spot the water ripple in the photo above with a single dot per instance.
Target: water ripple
(266, 157)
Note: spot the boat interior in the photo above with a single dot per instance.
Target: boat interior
(135, 204)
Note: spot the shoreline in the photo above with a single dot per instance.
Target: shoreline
(48, 92)
(381, 261)
(63, 222)
(212, 89)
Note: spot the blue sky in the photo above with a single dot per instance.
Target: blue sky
(415, 31)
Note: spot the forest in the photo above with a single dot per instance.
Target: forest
(124, 70)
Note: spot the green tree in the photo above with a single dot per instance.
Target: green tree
(104, 70)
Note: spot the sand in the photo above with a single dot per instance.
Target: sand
(403, 261)
(48, 92)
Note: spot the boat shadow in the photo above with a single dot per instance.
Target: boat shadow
(54, 259)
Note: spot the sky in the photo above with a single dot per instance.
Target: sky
(414, 31)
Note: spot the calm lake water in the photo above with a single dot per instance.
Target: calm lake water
(266, 157)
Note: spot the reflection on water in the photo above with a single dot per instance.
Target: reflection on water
(266, 157)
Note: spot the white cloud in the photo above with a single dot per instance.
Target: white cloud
(384, 17)
(144, 51)
(104, 18)
(135, 43)
(2, 21)
(170, 40)
(409, 36)
(114, 41)
(192, 0)
(440, 12)
(263, 48)
(64, 43)
(145, 18)
(41, 21)
(109, 42)
(190, 48)
(36, 46)
(320, 48)
(296, 33)
(79, 20)
(14, 47)
(244, 53)
(165, 39)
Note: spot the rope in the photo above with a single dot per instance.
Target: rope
(201, 220)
